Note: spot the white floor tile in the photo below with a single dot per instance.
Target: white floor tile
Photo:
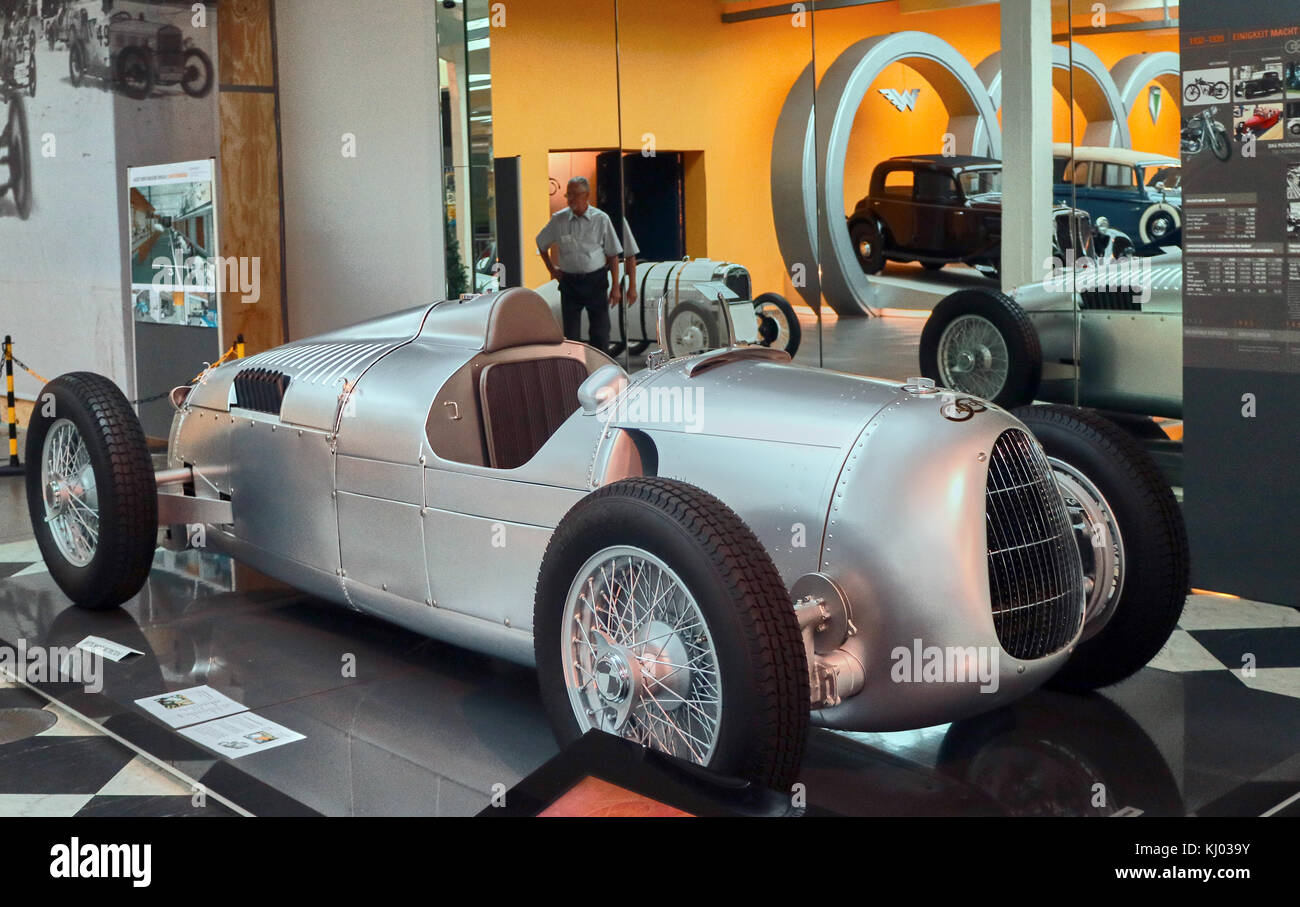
(1211, 612)
(1183, 653)
(69, 725)
(1285, 681)
(32, 805)
(15, 552)
(142, 778)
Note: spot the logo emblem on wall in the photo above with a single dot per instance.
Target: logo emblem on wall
(903, 100)
(1293, 46)
(1154, 97)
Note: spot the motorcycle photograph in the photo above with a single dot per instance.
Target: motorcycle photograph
(1204, 131)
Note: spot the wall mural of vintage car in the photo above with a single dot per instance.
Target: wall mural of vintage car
(659, 596)
(122, 46)
(937, 209)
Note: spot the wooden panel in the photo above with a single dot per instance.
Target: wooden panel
(250, 215)
(244, 38)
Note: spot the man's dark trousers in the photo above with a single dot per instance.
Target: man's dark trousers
(590, 292)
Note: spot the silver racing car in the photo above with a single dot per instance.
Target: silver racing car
(684, 568)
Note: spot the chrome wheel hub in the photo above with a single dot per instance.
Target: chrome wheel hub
(973, 357)
(638, 659)
(70, 496)
(1101, 546)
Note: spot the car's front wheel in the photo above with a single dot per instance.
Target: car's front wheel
(90, 490)
(982, 343)
(868, 244)
(1132, 542)
(660, 618)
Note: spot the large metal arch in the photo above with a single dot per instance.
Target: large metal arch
(1096, 94)
(1134, 72)
(794, 185)
(846, 84)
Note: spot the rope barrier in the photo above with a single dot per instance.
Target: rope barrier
(236, 351)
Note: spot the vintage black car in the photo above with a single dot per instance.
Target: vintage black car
(937, 210)
(1266, 83)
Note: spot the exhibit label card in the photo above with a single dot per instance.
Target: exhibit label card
(98, 645)
(185, 707)
(239, 735)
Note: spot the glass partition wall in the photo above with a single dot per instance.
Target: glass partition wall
(717, 177)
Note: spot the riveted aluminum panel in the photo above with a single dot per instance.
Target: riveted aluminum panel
(484, 567)
(383, 546)
(281, 491)
(497, 497)
(377, 479)
(385, 416)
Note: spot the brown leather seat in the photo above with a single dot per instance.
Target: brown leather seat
(524, 403)
(524, 400)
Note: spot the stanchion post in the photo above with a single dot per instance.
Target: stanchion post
(239, 346)
(9, 400)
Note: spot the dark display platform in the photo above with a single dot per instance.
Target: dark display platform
(424, 728)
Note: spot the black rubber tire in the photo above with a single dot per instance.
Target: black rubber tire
(1220, 147)
(20, 158)
(203, 63)
(869, 231)
(933, 265)
(76, 63)
(1025, 368)
(710, 325)
(1155, 542)
(135, 60)
(763, 669)
(124, 477)
(1191, 93)
(795, 330)
(31, 72)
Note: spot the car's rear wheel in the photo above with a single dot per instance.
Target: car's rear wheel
(691, 330)
(17, 146)
(980, 342)
(76, 63)
(778, 325)
(660, 618)
(91, 491)
(868, 243)
(1132, 540)
(135, 72)
(197, 81)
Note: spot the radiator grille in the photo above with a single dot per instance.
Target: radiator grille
(1035, 577)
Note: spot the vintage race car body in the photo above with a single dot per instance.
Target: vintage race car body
(416, 466)
(1129, 348)
(691, 288)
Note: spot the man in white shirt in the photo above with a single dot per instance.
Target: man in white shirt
(587, 255)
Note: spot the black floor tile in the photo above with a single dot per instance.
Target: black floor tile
(153, 806)
(60, 765)
(1273, 647)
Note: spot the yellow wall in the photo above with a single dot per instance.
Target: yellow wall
(701, 86)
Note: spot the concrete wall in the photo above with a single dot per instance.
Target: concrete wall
(364, 234)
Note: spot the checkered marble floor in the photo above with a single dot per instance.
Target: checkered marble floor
(71, 768)
(1233, 654)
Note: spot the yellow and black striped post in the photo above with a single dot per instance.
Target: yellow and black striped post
(11, 405)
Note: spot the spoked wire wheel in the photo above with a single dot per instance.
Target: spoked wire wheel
(639, 660)
(1101, 544)
(973, 357)
(70, 494)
